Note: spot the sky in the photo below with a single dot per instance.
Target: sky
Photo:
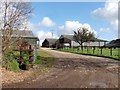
(52, 19)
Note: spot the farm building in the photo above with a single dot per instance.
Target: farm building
(68, 41)
(27, 38)
(113, 44)
(20, 37)
(97, 43)
(65, 41)
(49, 42)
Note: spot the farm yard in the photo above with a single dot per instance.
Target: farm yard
(73, 71)
(76, 50)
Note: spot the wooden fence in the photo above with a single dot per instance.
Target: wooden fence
(99, 51)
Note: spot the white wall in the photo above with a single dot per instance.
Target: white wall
(73, 43)
(93, 44)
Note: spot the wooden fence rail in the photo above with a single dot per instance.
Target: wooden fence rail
(100, 51)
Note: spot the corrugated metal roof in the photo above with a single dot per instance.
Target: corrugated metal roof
(114, 43)
(51, 40)
(21, 33)
(70, 37)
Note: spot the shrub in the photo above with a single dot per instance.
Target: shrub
(10, 62)
(13, 65)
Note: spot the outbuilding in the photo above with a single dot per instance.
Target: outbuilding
(49, 43)
(113, 44)
(68, 41)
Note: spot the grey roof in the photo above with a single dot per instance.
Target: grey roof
(70, 37)
(51, 40)
(22, 33)
(100, 40)
(114, 43)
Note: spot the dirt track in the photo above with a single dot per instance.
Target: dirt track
(76, 71)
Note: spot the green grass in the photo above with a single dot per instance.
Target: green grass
(97, 52)
(44, 57)
(44, 54)
(13, 66)
(41, 58)
(11, 62)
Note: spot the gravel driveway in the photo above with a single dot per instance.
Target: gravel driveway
(76, 71)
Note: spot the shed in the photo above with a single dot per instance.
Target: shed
(26, 36)
(97, 43)
(68, 40)
(65, 40)
(21, 36)
(49, 42)
(113, 44)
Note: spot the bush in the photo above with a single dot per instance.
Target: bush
(10, 62)
(13, 65)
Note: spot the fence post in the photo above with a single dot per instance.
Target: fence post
(93, 50)
(111, 51)
(82, 48)
(87, 49)
(101, 50)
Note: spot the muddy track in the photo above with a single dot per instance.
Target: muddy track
(76, 71)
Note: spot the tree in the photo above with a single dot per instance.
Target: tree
(83, 35)
(12, 17)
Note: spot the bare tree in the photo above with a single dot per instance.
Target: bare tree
(12, 17)
(83, 35)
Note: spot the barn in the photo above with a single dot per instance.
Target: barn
(49, 43)
(24, 46)
(65, 40)
(68, 41)
(26, 35)
(113, 44)
(26, 41)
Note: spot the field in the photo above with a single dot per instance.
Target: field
(105, 52)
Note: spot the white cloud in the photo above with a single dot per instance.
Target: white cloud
(33, 27)
(109, 12)
(71, 26)
(89, 28)
(47, 22)
(61, 27)
(42, 35)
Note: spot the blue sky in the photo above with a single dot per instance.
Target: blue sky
(63, 17)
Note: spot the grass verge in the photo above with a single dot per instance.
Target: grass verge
(97, 52)
(44, 58)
